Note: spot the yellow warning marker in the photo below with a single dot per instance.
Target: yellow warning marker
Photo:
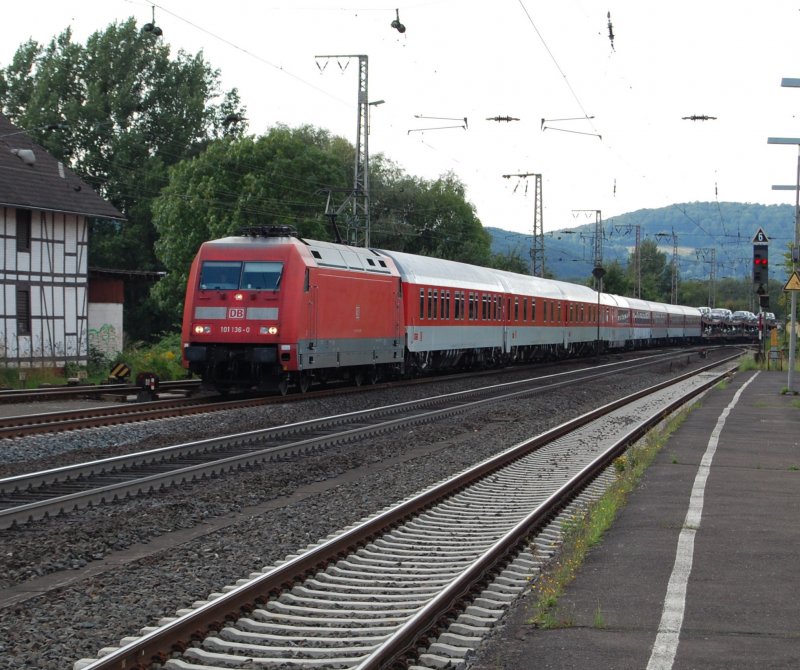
(794, 282)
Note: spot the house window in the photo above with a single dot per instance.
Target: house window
(23, 230)
(23, 311)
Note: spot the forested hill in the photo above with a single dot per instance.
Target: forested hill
(703, 230)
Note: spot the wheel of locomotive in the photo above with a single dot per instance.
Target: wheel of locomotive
(374, 375)
(283, 385)
(304, 382)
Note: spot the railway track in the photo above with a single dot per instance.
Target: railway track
(33, 496)
(24, 425)
(420, 583)
(18, 396)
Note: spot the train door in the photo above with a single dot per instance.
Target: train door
(397, 316)
(311, 292)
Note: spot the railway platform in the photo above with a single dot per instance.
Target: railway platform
(700, 570)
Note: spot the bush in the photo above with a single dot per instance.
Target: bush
(162, 358)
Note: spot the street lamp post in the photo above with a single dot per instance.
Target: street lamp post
(788, 82)
(793, 318)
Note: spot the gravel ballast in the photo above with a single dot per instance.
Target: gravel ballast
(128, 564)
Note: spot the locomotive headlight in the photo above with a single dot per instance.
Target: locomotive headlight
(202, 330)
(268, 330)
(238, 296)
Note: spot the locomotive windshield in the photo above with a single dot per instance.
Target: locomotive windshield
(233, 275)
(262, 275)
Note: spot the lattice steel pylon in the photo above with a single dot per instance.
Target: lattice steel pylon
(537, 240)
(358, 224)
(636, 255)
(598, 240)
(710, 256)
(637, 264)
(673, 266)
(674, 286)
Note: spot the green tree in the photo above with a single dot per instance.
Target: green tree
(656, 274)
(615, 280)
(283, 178)
(275, 179)
(119, 111)
(426, 217)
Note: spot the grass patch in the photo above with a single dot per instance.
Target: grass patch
(585, 531)
(599, 620)
(162, 358)
(748, 363)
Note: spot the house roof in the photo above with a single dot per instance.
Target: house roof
(31, 178)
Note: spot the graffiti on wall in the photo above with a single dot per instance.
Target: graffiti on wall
(104, 339)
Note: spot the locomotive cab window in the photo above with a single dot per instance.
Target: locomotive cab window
(222, 275)
(262, 275)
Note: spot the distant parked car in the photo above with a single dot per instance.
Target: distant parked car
(770, 320)
(720, 316)
(743, 318)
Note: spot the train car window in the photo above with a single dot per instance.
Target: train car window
(262, 275)
(524, 309)
(436, 306)
(422, 303)
(471, 306)
(533, 309)
(430, 303)
(223, 275)
(447, 306)
(559, 311)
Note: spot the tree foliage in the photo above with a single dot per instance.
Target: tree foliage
(656, 273)
(430, 218)
(118, 110)
(275, 179)
(148, 131)
(283, 178)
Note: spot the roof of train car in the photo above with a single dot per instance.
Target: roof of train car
(531, 286)
(428, 270)
(324, 254)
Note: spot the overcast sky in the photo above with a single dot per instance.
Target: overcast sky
(527, 59)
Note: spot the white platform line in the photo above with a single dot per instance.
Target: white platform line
(669, 629)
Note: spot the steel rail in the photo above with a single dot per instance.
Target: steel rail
(175, 636)
(449, 404)
(9, 396)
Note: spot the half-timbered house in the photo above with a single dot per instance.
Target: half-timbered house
(44, 224)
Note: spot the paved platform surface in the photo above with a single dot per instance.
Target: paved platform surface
(719, 588)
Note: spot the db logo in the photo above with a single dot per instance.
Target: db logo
(236, 313)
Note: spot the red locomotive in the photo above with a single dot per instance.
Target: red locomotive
(269, 310)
